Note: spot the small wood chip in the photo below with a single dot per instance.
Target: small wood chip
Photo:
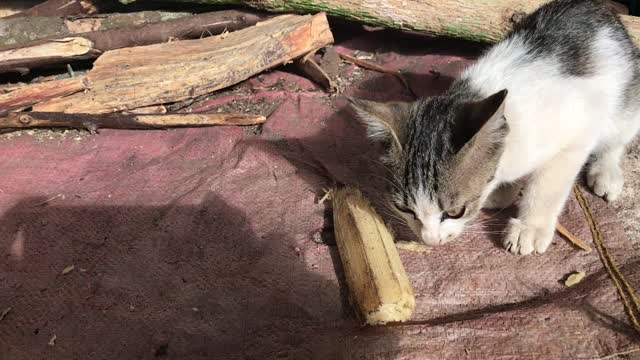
(5, 312)
(68, 269)
(52, 342)
(327, 196)
(574, 278)
(412, 246)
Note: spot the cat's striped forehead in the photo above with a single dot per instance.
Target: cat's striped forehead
(435, 167)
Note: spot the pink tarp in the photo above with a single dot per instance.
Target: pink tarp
(210, 243)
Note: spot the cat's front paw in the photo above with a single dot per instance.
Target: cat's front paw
(523, 239)
(605, 180)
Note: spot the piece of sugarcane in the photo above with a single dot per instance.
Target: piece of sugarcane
(378, 284)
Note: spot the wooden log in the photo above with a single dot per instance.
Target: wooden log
(93, 122)
(62, 8)
(21, 30)
(92, 44)
(25, 96)
(378, 284)
(141, 76)
(476, 20)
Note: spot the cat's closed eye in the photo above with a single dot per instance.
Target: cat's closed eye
(455, 213)
(406, 210)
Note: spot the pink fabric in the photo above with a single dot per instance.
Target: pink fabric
(207, 243)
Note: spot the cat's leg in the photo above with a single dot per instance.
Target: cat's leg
(604, 175)
(503, 196)
(542, 201)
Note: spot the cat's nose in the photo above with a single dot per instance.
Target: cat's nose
(430, 237)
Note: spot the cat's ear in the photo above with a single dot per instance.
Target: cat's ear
(384, 121)
(482, 120)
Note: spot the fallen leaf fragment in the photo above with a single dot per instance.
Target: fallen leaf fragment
(68, 269)
(574, 278)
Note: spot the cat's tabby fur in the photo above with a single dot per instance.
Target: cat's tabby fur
(562, 86)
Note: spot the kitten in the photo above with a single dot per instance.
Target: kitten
(564, 84)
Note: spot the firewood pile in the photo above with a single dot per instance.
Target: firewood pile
(85, 64)
(104, 64)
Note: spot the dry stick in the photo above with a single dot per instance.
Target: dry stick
(619, 280)
(378, 68)
(93, 122)
(620, 353)
(574, 239)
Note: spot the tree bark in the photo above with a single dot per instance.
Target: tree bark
(20, 30)
(93, 122)
(147, 75)
(476, 20)
(28, 95)
(91, 44)
(61, 8)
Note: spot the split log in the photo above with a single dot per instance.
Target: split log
(92, 44)
(378, 284)
(20, 30)
(25, 96)
(62, 8)
(485, 21)
(93, 122)
(141, 76)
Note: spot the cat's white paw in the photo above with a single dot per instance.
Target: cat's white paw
(522, 239)
(605, 180)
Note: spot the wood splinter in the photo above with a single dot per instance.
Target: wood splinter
(379, 286)
(572, 238)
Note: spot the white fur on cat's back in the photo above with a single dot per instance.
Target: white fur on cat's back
(555, 122)
(547, 111)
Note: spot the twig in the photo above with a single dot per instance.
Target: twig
(307, 65)
(5, 312)
(618, 354)
(48, 200)
(375, 67)
(574, 239)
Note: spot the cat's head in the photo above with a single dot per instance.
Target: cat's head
(442, 153)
